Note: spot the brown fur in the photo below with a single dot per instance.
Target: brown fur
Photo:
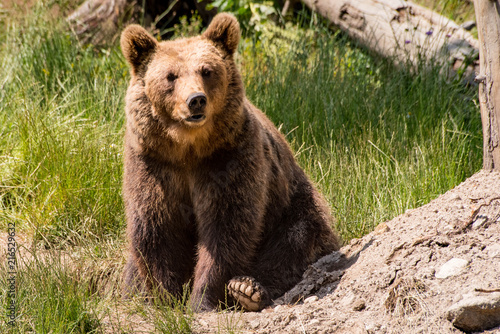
(220, 198)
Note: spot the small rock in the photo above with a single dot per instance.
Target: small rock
(314, 322)
(279, 308)
(254, 324)
(476, 312)
(381, 229)
(359, 305)
(457, 298)
(453, 267)
(372, 327)
(441, 241)
(480, 221)
(493, 250)
(387, 279)
(448, 227)
(456, 197)
(311, 299)
(348, 300)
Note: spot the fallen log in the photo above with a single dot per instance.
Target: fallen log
(98, 20)
(404, 31)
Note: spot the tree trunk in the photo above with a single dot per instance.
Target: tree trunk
(488, 28)
(403, 31)
(98, 21)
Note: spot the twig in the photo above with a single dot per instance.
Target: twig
(487, 290)
(476, 211)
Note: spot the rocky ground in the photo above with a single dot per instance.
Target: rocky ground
(434, 269)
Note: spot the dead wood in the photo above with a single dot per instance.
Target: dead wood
(403, 31)
(488, 28)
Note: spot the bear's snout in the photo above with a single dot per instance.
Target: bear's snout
(196, 103)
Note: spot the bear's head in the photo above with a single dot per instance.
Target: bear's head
(183, 90)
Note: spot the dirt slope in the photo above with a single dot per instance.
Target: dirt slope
(395, 280)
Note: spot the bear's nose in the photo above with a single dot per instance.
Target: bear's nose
(196, 102)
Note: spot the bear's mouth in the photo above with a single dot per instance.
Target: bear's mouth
(195, 118)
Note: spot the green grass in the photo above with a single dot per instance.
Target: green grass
(61, 126)
(456, 10)
(49, 299)
(377, 140)
(79, 292)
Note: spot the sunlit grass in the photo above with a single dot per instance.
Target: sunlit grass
(49, 298)
(62, 120)
(376, 139)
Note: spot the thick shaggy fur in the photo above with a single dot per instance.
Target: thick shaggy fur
(215, 199)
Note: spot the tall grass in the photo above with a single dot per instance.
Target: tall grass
(378, 140)
(456, 10)
(48, 299)
(61, 125)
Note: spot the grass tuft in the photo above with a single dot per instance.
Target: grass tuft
(48, 298)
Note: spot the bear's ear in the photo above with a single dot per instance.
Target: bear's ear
(224, 31)
(137, 46)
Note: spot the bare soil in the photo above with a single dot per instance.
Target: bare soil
(386, 281)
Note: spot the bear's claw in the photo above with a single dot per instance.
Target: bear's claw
(251, 295)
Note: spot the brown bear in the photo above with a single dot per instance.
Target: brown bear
(213, 195)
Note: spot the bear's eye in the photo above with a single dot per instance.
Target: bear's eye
(171, 77)
(206, 72)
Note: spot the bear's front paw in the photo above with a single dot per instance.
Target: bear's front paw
(248, 292)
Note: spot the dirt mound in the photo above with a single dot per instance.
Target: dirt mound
(430, 270)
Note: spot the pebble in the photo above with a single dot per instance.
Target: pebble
(254, 324)
(279, 308)
(372, 327)
(479, 222)
(453, 267)
(475, 312)
(381, 229)
(359, 305)
(493, 250)
(311, 299)
(314, 322)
